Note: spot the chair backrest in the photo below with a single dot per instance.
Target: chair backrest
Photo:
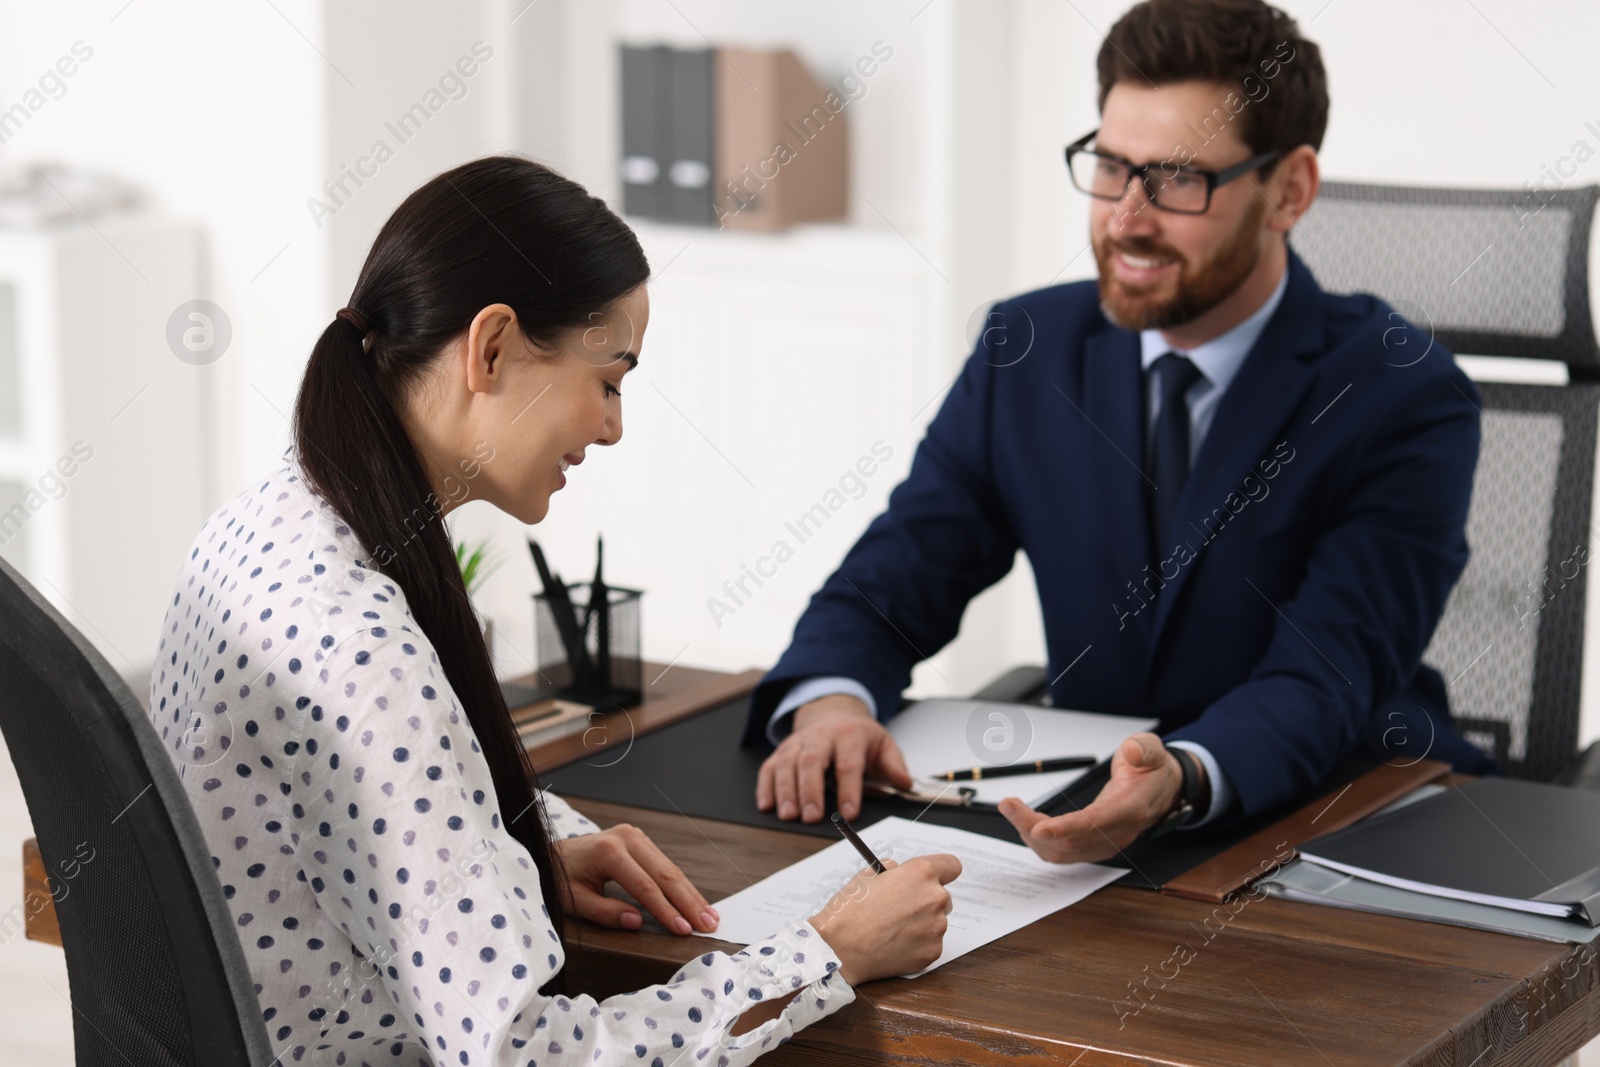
(1495, 272)
(1489, 272)
(1510, 644)
(158, 975)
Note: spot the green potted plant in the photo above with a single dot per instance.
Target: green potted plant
(477, 563)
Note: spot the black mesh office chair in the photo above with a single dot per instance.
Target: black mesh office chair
(157, 974)
(1487, 273)
(1495, 272)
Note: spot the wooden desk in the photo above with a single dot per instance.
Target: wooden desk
(1278, 983)
(1099, 983)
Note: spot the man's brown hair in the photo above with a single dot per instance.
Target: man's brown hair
(1274, 88)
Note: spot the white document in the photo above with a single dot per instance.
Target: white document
(1002, 888)
(951, 735)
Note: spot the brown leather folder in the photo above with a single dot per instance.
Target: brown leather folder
(1265, 851)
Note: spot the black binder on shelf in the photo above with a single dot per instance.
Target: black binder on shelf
(668, 98)
(737, 138)
(688, 157)
(645, 91)
(1499, 841)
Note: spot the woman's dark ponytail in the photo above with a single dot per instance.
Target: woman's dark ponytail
(497, 230)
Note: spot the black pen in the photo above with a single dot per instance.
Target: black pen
(1038, 766)
(600, 601)
(860, 846)
(566, 618)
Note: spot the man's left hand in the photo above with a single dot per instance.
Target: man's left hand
(1144, 787)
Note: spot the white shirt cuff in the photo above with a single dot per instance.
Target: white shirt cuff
(1221, 791)
(815, 689)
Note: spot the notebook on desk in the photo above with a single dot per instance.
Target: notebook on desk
(1308, 883)
(1496, 841)
(936, 736)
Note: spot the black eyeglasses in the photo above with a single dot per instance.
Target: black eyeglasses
(1170, 186)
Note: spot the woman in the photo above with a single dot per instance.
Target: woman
(332, 707)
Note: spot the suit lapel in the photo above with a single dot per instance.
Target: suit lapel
(1248, 420)
(1113, 403)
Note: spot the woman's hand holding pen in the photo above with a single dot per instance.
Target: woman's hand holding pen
(882, 925)
(623, 854)
(837, 731)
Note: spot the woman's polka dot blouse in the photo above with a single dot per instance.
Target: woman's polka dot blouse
(386, 913)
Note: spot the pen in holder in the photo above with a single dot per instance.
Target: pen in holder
(587, 646)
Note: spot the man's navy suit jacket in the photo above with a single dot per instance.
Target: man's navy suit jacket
(1319, 533)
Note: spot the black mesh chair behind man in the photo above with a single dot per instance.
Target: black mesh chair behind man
(158, 978)
(1495, 272)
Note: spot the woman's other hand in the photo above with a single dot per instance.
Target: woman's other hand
(623, 854)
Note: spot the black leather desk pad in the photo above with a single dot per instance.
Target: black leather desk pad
(697, 768)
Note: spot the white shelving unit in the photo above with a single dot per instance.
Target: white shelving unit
(101, 488)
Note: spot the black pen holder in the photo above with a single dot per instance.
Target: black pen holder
(609, 674)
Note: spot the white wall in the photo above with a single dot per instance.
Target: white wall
(215, 112)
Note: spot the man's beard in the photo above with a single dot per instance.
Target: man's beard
(1199, 288)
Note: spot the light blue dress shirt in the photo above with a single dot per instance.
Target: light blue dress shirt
(1218, 361)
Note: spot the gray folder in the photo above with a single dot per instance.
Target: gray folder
(1310, 884)
(1496, 841)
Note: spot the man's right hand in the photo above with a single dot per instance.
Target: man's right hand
(837, 731)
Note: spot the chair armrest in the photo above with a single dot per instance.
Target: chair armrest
(1584, 771)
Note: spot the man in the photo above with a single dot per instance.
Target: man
(1243, 508)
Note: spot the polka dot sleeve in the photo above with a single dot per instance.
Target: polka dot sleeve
(403, 843)
(562, 820)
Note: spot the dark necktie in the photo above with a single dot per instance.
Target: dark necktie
(1169, 449)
